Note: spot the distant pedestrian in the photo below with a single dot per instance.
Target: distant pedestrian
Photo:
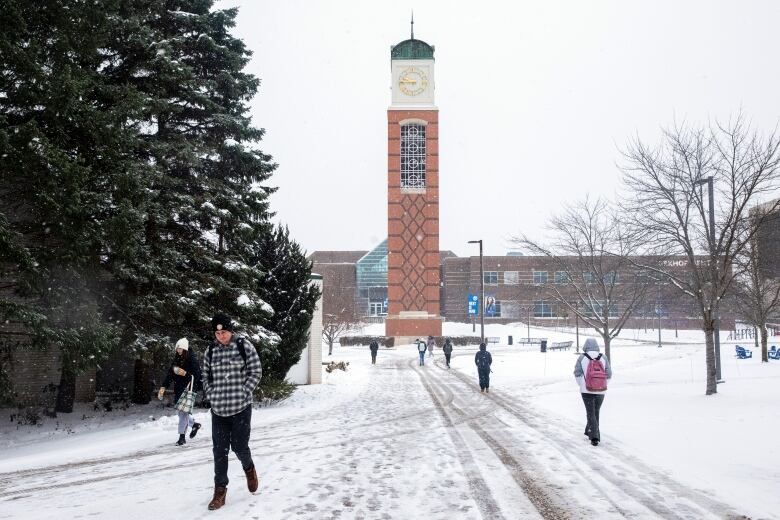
(591, 372)
(483, 360)
(447, 349)
(374, 348)
(231, 371)
(421, 348)
(184, 370)
(431, 345)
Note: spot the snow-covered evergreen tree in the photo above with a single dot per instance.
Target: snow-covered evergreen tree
(62, 144)
(205, 202)
(288, 289)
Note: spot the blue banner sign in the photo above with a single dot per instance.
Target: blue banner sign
(473, 305)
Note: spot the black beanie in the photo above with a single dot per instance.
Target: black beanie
(221, 322)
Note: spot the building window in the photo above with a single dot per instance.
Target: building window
(511, 277)
(597, 309)
(561, 277)
(491, 277)
(542, 309)
(540, 277)
(589, 277)
(376, 309)
(611, 278)
(413, 156)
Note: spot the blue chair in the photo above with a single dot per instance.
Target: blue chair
(743, 353)
(774, 353)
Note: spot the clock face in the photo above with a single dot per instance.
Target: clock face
(412, 81)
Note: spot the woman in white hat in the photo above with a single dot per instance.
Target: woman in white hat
(183, 368)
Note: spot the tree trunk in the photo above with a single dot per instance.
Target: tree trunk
(709, 336)
(764, 351)
(330, 347)
(607, 348)
(66, 392)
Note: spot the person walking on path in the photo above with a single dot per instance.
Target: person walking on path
(591, 371)
(483, 360)
(447, 349)
(421, 348)
(184, 370)
(231, 372)
(374, 347)
(431, 345)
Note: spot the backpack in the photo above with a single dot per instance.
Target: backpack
(241, 350)
(482, 360)
(595, 375)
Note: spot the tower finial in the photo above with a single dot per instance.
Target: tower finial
(412, 24)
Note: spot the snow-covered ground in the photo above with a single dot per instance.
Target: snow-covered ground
(399, 441)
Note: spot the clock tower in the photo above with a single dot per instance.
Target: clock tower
(413, 276)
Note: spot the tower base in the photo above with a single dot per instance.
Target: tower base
(417, 324)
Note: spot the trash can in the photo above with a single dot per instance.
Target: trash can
(543, 348)
(510, 340)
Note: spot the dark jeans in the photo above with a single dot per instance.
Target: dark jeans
(422, 358)
(373, 359)
(592, 406)
(447, 357)
(230, 432)
(484, 378)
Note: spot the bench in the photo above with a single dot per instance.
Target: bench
(743, 353)
(561, 345)
(773, 353)
(492, 339)
(529, 341)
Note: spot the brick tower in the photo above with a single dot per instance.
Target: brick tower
(413, 194)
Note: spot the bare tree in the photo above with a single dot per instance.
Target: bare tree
(590, 249)
(757, 294)
(340, 315)
(334, 326)
(666, 202)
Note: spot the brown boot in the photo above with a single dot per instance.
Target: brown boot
(219, 498)
(251, 479)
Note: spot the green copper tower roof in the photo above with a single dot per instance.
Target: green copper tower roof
(412, 49)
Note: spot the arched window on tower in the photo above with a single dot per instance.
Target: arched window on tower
(413, 156)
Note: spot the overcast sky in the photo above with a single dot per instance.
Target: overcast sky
(535, 100)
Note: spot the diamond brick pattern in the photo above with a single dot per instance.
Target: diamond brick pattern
(413, 232)
(413, 252)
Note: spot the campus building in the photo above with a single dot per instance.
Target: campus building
(517, 288)
(768, 239)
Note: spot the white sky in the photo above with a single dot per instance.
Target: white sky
(535, 101)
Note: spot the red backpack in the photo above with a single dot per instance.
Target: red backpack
(596, 375)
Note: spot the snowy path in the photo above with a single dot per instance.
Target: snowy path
(410, 442)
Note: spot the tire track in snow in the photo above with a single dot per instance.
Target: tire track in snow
(662, 486)
(529, 485)
(487, 505)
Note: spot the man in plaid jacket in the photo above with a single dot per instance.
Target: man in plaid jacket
(231, 371)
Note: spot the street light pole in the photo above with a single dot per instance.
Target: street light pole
(481, 291)
(658, 308)
(714, 272)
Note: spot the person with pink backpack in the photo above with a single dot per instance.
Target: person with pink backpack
(591, 372)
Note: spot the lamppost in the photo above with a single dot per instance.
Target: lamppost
(658, 310)
(481, 291)
(713, 271)
(577, 324)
